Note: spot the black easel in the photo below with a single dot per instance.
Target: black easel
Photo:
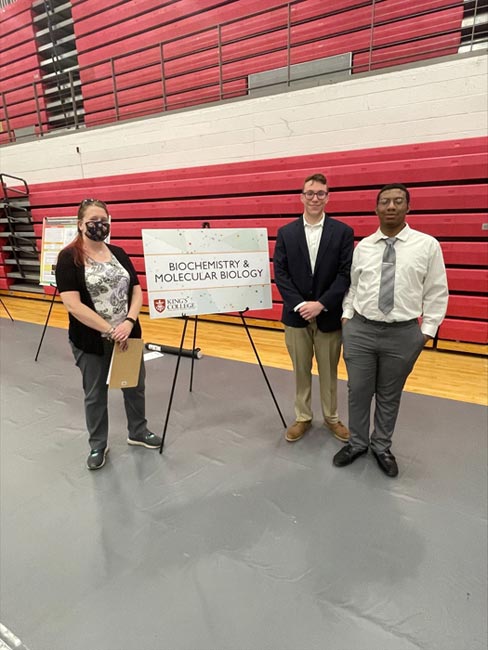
(241, 313)
(47, 321)
(193, 348)
(5, 307)
(174, 384)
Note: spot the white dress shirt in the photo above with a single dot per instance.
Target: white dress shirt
(420, 280)
(313, 235)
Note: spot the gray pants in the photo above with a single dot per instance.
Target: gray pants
(94, 371)
(379, 357)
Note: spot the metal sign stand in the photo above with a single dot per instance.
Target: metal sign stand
(5, 307)
(206, 224)
(241, 314)
(47, 321)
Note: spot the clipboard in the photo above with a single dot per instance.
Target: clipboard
(125, 365)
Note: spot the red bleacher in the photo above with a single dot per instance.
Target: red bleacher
(19, 68)
(4, 269)
(446, 180)
(141, 58)
(129, 40)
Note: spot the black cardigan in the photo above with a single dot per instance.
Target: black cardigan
(70, 277)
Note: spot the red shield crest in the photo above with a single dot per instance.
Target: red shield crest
(160, 305)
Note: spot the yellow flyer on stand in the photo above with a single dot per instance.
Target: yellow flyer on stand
(57, 232)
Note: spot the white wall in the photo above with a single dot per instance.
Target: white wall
(439, 101)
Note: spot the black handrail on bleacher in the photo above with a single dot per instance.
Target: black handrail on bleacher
(16, 240)
(42, 127)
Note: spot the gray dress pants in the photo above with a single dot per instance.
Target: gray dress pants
(379, 357)
(94, 371)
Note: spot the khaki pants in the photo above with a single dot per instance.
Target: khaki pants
(302, 343)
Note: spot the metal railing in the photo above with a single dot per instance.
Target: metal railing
(172, 77)
(18, 220)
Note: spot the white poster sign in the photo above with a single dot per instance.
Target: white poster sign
(206, 271)
(57, 232)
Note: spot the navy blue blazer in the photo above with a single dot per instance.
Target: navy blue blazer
(331, 277)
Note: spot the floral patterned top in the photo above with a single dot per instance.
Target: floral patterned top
(108, 286)
(71, 277)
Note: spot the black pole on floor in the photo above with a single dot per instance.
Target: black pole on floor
(241, 313)
(5, 307)
(47, 321)
(193, 355)
(174, 385)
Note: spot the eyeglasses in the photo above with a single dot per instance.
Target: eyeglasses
(321, 194)
(398, 200)
(91, 201)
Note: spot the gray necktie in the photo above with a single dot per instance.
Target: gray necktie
(387, 287)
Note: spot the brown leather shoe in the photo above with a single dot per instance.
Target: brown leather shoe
(340, 431)
(297, 430)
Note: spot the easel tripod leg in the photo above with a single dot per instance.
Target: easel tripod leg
(45, 324)
(5, 307)
(193, 352)
(174, 385)
(262, 368)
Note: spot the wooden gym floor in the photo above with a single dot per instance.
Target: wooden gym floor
(449, 375)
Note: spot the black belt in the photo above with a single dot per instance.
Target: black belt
(401, 323)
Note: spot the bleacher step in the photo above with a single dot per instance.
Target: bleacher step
(28, 288)
(23, 262)
(30, 277)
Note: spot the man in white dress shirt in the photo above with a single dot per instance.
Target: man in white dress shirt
(397, 276)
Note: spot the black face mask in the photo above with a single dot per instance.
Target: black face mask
(97, 230)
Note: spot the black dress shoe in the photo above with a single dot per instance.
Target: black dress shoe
(347, 455)
(387, 463)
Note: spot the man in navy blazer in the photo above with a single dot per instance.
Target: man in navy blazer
(312, 262)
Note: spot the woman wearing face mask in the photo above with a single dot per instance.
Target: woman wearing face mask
(100, 290)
